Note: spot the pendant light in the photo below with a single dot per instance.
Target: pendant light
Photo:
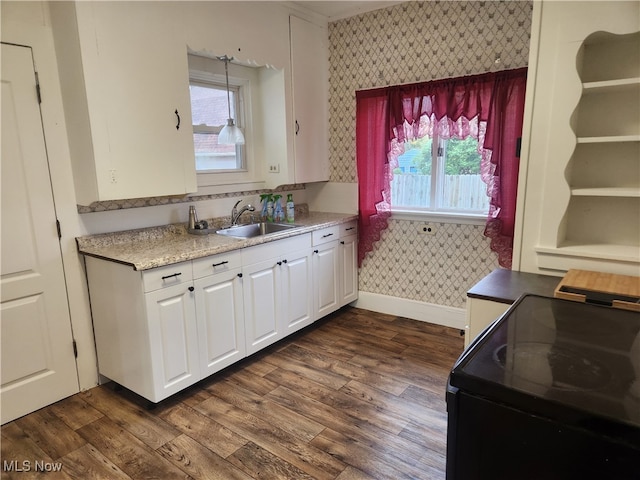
(230, 133)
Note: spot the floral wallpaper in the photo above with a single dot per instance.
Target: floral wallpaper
(411, 42)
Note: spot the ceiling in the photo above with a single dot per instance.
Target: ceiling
(335, 10)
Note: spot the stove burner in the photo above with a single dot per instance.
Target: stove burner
(553, 366)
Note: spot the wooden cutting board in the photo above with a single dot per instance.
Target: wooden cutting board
(620, 291)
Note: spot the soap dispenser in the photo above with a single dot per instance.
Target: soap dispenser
(193, 217)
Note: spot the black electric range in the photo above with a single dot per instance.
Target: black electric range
(549, 391)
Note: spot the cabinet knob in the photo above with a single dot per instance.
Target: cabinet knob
(191, 289)
(284, 261)
(315, 251)
(279, 263)
(341, 242)
(239, 275)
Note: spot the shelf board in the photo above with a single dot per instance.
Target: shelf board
(611, 85)
(598, 251)
(625, 192)
(610, 139)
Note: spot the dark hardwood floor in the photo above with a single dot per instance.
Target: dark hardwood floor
(359, 395)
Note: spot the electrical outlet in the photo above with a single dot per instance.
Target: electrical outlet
(427, 229)
(114, 178)
(274, 168)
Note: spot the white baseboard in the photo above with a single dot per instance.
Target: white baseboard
(402, 307)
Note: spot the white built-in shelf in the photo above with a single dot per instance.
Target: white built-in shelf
(610, 139)
(607, 86)
(608, 251)
(606, 192)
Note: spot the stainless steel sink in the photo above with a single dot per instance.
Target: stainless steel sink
(255, 229)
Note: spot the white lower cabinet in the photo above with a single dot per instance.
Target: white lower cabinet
(335, 267)
(297, 291)
(327, 280)
(480, 314)
(348, 261)
(173, 340)
(261, 283)
(161, 330)
(277, 291)
(219, 312)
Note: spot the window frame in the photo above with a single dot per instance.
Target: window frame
(436, 212)
(207, 69)
(238, 90)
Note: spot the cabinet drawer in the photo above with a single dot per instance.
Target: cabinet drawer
(349, 228)
(275, 249)
(326, 235)
(167, 276)
(223, 262)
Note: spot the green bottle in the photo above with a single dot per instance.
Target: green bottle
(290, 209)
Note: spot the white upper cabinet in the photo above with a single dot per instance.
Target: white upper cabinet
(582, 192)
(125, 83)
(310, 69)
(125, 86)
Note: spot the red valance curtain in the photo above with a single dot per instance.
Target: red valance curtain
(390, 115)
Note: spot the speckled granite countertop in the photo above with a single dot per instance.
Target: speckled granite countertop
(158, 246)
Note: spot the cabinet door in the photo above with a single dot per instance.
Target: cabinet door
(348, 269)
(325, 267)
(137, 92)
(309, 65)
(261, 287)
(480, 314)
(297, 291)
(173, 340)
(220, 318)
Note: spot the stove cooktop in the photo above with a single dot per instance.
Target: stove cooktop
(559, 357)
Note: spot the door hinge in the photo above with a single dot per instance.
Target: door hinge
(75, 349)
(59, 229)
(38, 92)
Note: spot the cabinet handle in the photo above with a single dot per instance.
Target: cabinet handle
(350, 228)
(239, 275)
(172, 275)
(218, 264)
(191, 289)
(327, 235)
(297, 127)
(178, 115)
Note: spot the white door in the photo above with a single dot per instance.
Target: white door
(326, 271)
(349, 268)
(220, 314)
(297, 291)
(38, 363)
(173, 337)
(261, 283)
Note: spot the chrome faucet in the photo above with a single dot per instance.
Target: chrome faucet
(235, 214)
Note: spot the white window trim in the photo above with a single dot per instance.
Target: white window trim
(440, 217)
